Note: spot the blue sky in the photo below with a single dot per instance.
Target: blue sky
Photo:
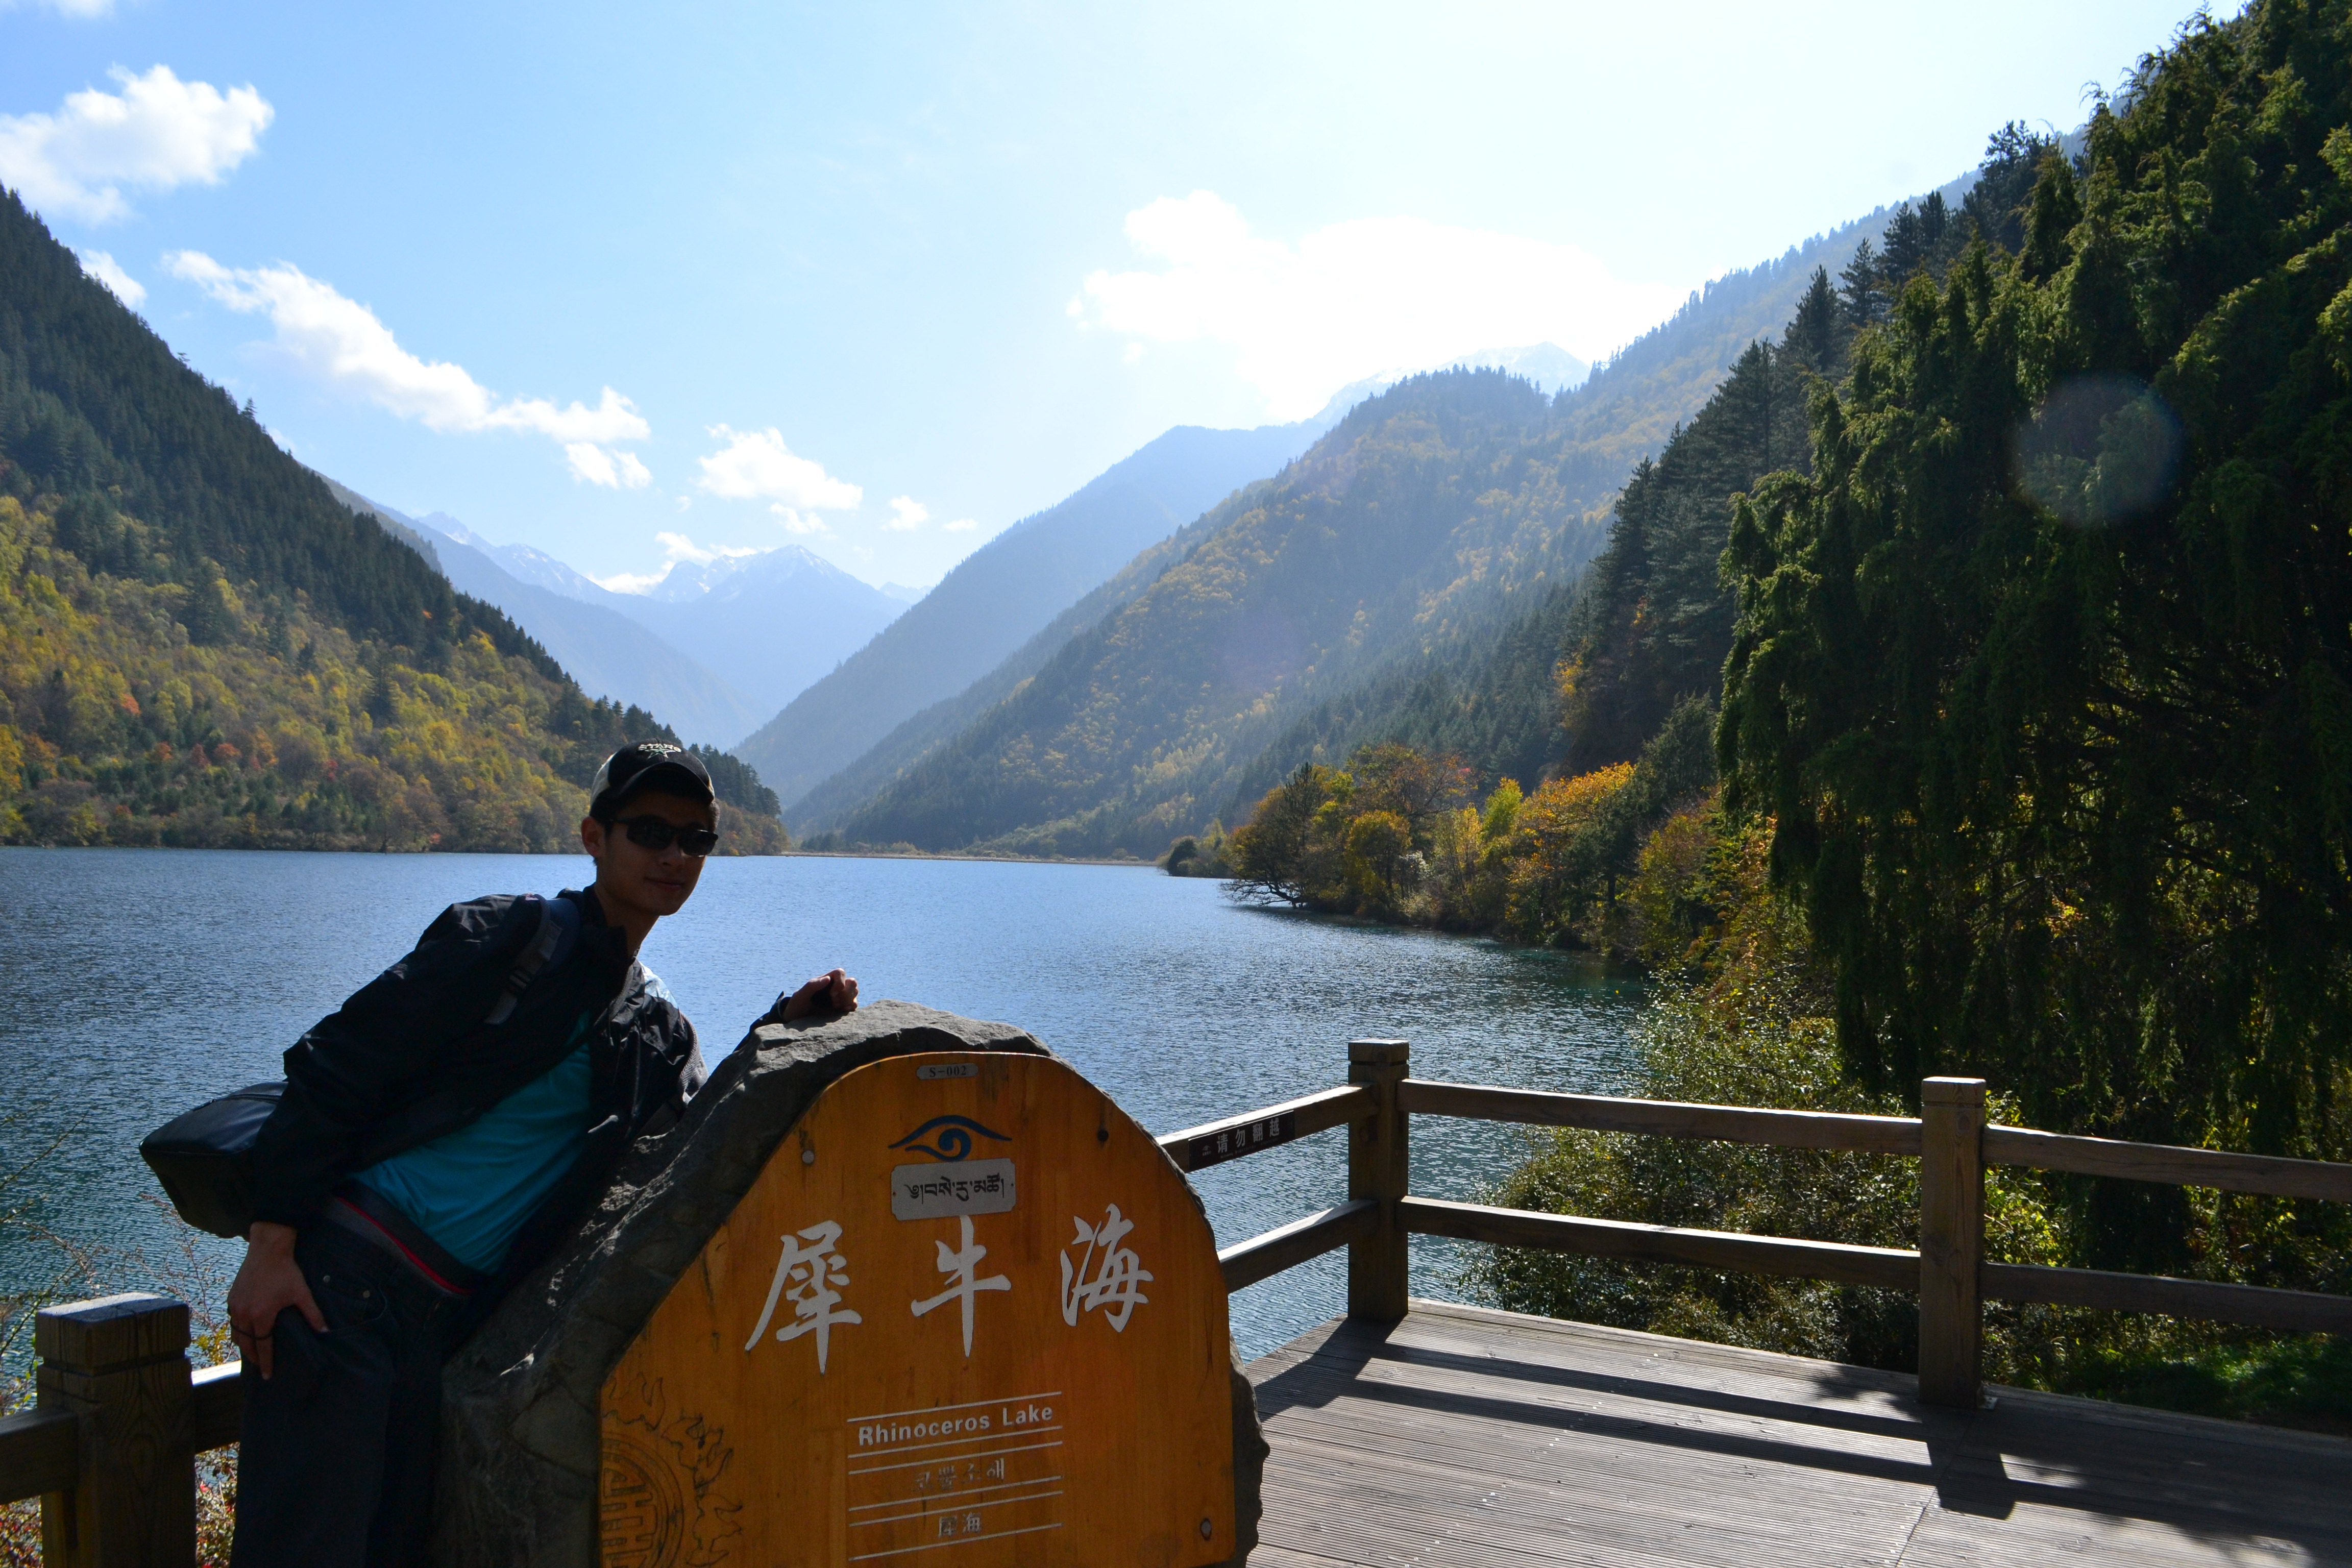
(623, 282)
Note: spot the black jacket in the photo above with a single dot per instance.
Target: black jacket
(409, 1057)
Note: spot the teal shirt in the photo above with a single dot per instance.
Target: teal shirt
(472, 1189)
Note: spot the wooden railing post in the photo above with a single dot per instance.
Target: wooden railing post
(1951, 1240)
(1377, 1169)
(121, 1365)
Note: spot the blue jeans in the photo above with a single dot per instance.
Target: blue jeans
(336, 1457)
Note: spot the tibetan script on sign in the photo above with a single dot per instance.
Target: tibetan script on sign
(943, 1192)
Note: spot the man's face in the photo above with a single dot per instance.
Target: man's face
(654, 882)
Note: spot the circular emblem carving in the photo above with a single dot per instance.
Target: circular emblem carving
(645, 1504)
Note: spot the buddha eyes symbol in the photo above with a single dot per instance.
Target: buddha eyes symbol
(953, 1141)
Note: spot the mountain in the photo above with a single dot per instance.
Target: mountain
(1133, 727)
(723, 613)
(525, 565)
(1551, 369)
(1586, 673)
(1007, 592)
(609, 654)
(1422, 513)
(768, 623)
(823, 807)
(1585, 678)
(200, 645)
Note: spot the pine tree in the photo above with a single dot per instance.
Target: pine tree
(2052, 212)
(1862, 290)
(1994, 208)
(1905, 248)
(1934, 223)
(1813, 338)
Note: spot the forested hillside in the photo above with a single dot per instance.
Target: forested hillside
(2033, 644)
(200, 646)
(821, 811)
(1581, 723)
(1051, 772)
(1425, 509)
(1587, 673)
(2043, 674)
(1655, 622)
(1003, 594)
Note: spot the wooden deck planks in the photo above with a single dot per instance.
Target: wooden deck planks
(1464, 1436)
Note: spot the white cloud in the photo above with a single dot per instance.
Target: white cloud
(1356, 297)
(681, 548)
(79, 10)
(756, 465)
(614, 470)
(629, 582)
(106, 270)
(912, 514)
(676, 547)
(157, 133)
(341, 341)
(962, 525)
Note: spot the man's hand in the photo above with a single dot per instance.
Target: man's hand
(267, 1283)
(831, 992)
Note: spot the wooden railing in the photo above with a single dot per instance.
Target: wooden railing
(1948, 1269)
(121, 1415)
(109, 1445)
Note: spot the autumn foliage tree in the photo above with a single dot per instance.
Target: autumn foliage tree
(1395, 836)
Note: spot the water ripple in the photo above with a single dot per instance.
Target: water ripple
(138, 982)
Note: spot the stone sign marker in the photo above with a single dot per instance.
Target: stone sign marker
(967, 1313)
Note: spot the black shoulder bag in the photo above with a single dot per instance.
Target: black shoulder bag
(204, 1157)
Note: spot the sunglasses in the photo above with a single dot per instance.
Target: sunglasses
(653, 833)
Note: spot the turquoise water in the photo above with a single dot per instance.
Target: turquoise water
(136, 983)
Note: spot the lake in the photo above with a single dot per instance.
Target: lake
(137, 982)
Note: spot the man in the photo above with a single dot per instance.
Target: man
(438, 1134)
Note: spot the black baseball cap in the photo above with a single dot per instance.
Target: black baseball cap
(647, 764)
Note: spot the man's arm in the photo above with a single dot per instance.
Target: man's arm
(831, 992)
(342, 1073)
(337, 1077)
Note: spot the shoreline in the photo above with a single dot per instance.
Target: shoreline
(950, 855)
(779, 855)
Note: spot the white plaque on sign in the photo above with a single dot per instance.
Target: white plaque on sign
(945, 1191)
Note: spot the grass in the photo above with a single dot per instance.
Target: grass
(2302, 1381)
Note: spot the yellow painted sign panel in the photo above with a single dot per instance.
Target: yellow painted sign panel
(969, 1315)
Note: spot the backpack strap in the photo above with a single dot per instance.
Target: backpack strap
(550, 942)
(559, 927)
